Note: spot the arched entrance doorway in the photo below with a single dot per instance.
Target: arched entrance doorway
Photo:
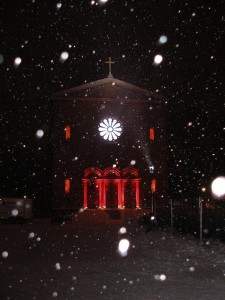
(111, 188)
(92, 188)
(111, 178)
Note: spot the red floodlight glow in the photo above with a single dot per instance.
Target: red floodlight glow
(152, 134)
(67, 186)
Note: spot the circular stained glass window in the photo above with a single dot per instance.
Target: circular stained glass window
(110, 129)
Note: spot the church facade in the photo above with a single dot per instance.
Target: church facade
(109, 147)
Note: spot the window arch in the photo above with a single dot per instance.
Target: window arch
(93, 173)
(111, 173)
(129, 173)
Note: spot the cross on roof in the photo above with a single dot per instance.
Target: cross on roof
(110, 62)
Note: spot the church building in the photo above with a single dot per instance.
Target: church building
(109, 147)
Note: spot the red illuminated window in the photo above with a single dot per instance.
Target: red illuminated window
(67, 186)
(67, 132)
(152, 134)
(153, 186)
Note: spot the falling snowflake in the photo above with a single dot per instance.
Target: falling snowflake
(31, 235)
(5, 254)
(54, 294)
(158, 59)
(14, 212)
(162, 39)
(40, 133)
(17, 61)
(57, 266)
(110, 129)
(123, 247)
(122, 230)
(64, 56)
(58, 5)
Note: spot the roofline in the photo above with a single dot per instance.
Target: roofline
(115, 100)
(89, 85)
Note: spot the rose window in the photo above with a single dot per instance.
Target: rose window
(110, 129)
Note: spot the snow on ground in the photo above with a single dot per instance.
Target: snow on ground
(72, 261)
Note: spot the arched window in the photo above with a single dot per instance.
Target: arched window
(129, 173)
(92, 173)
(111, 173)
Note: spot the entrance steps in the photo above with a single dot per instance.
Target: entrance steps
(106, 216)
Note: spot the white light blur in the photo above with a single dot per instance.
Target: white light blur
(103, 1)
(133, 162)
(163, 39)
(14, 212)
(58, 5)
(122, 230)
(57, 266)
(158, 59)
(5, 254)
(123, 247)
(17, 61)
(64, 56)
(31, 235)
(39, 133)
(162, 277)
(218, 187)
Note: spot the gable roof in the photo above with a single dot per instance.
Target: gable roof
(110, 88)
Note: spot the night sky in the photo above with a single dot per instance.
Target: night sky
(191, 77)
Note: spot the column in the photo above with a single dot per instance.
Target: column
(138, 193)
(122, 193)
(85, 192)
(103, 194)
(119, 193)
(100, 193)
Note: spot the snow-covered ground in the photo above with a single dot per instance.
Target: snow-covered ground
(42, 260)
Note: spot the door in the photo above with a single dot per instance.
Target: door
(112, 194)
(130, 194)
(93, 195)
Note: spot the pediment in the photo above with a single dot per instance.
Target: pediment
(110, 88)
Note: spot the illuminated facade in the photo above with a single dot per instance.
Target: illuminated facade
(111, 188)
(109, 147)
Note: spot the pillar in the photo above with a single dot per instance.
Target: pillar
(122, 193)
(100, 193)
(85, 192)
(103, 194)
(138, 193)
(119, 193)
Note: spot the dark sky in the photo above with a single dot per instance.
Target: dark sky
(191, 77)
